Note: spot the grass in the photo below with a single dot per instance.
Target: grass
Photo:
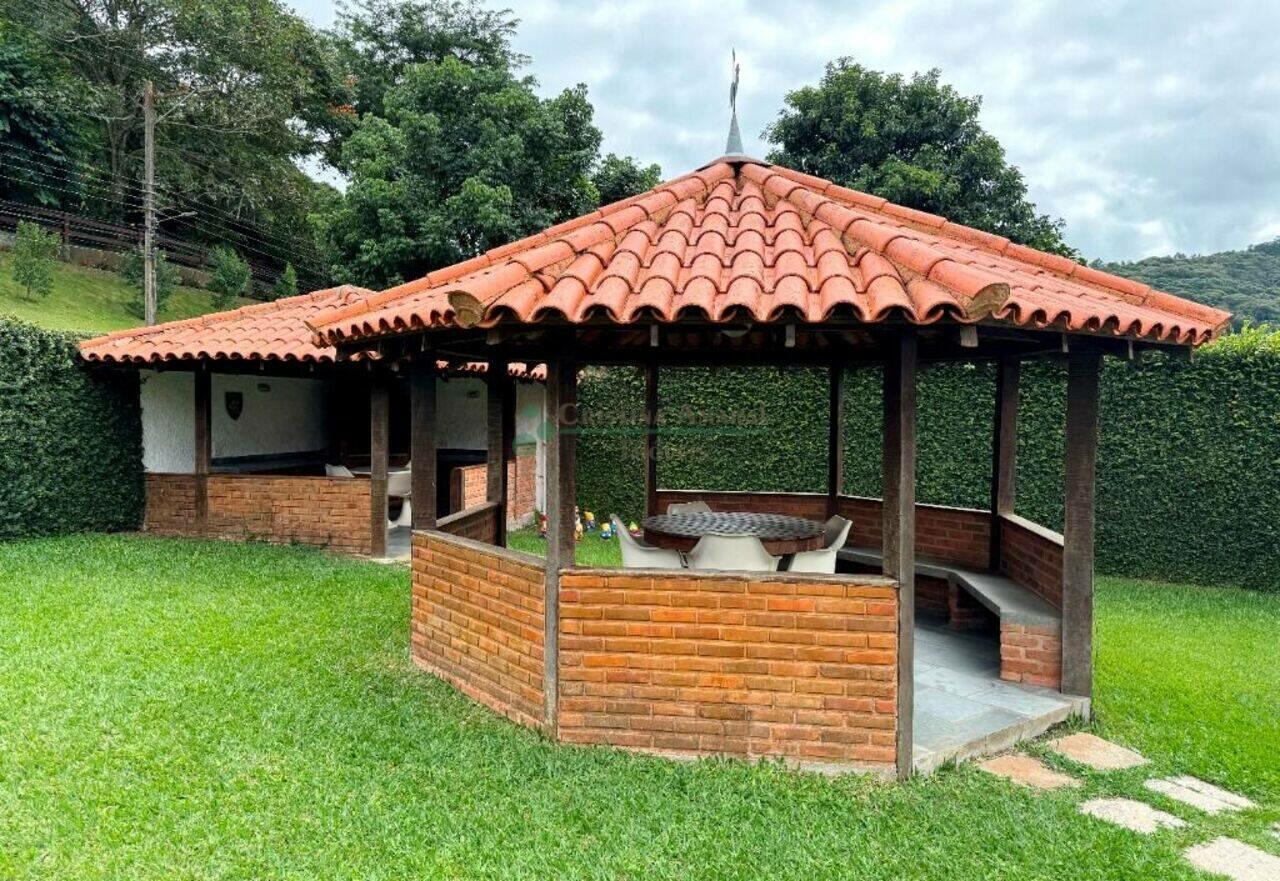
(89, 300)
(591, 550)
(181, 709)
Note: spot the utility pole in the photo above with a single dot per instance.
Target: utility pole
(149, 204)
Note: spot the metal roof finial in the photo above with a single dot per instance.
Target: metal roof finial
(734, 145)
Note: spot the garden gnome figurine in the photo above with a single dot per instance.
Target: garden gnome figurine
(589, 521)
(606, 530)
(633, 528)
(577, 524)
(542, 524)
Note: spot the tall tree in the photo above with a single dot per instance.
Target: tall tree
(914, 141)
(465, 157)
(621, 176)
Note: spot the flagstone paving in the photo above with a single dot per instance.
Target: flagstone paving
(1205, 796)
(1027, 771)
(1135, 815)
(1099, 754)
(1235, 859)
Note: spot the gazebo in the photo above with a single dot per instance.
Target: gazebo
(746, 263)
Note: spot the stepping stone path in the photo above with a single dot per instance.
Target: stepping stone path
(1099, 754)
(1027, 771)
(1198, 794)
(1136, 815)
(1235, 859)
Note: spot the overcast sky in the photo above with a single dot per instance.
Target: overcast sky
(1150, 127)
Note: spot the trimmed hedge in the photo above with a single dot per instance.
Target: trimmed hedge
(1188, 463)
(70, 439)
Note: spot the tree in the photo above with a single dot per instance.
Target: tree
(34, 252)
(228, 276)
(621, 176)
(913, 141)
(41, 138)
(167, 279)
(287, 284)
(466, 157)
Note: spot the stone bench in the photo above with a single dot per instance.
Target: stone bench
(1030, 628)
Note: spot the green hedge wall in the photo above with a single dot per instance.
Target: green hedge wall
(1188, 465)
(70, 439)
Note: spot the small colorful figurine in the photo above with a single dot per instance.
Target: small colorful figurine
(589, 521)
(633, 528)
(542, 524)
(577, 526)
(606, 530)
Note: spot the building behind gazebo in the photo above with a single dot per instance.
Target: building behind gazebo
(746, 263)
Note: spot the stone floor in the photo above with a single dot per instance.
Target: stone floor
(964, 709)
(398, 543)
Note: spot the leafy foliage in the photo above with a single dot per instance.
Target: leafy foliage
(619, 177)
(70, 439)
(913, 141)
(287, 284)
(1188, 462)
(34, 253)
(132, 268)
(465, 159)
(1246, 283)
(228, 276)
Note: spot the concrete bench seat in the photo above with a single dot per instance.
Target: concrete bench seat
(1013, 603)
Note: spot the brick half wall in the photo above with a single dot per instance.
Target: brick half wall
(1032, 556)
(330, 512)
(522, 485)
(744, 664)
(476, 621)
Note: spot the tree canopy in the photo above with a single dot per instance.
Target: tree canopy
(914, 141)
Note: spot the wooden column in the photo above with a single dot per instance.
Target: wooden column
(835, 439)
(651, 438)
(498, 390)
(422, 439)
(1083, 369)
(203, 442)
(899, 522)
(562, 407)
(1004, 451)
(379, 442)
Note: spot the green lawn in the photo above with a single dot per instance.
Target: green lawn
(89, 300)
(180, 709)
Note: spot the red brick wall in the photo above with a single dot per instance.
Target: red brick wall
(1031, 654)
(478, 524)
(736, 663)
(1032, 556)
(522, 482)
(476, 621)
(329, 512)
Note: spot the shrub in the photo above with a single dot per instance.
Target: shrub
(167, 278)
(70, 438)
(228, 276)
(287, 284)
(34, 252)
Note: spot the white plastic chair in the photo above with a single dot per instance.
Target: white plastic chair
(636, 555)
(688, 508)
(741, 552)
(400, 486)
(337, 471)
(823, 561)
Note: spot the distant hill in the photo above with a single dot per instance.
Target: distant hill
(1246, 283)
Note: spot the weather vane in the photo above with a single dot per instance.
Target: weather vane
(734, 144)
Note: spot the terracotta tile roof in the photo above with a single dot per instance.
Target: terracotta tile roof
(275, 331)
(742, 239)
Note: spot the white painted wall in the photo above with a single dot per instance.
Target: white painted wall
(280, 415)
(531, 420)
(461, 415)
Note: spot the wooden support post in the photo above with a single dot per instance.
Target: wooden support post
(899, 523)
(379, 442)
(498, 389)
(562, 406)
(1083, 369)
(651, 438)
(835, 439)
(422, 439)
(1004, 452)
(203, 442)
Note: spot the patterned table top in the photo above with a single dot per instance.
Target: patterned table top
(766, 527)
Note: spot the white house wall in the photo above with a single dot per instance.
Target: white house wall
(168, 422)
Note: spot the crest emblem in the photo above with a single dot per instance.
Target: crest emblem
(235, 404)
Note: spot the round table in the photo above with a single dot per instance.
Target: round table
(780, 534)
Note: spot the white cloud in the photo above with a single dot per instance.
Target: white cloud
(1149, 126)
